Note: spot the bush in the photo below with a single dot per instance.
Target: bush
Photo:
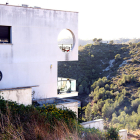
(117, 56)
(107, 87)
(100, 82)
(126, 79)
(107, 110)
(88, 112)
(95, 109)
(138, 110)
(81, 89)
(135, 103)
(112, 134)
(28, 122)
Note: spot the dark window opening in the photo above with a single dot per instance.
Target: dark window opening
(5, 34)
(0, 75)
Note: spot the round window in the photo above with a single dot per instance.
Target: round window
(0, 75)
(65, 40)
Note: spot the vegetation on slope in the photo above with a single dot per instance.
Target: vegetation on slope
(42, 123)
(110, 74)
(94, 62)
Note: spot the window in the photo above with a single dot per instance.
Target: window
(5, 34)
(0, 75)
(66, 40)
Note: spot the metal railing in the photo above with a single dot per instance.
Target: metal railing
(66, 85)
(65, 47)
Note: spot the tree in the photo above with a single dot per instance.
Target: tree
(117, 56)
(130, 43)
(138, 110)
(87, 90)
(84, 83)
(111, 42)
(99, 40)
(80, 89)
(107, 110)
(125, 109)
(88, 112)
(95, 40)
(95, 108)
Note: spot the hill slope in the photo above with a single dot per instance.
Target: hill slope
(116, 94)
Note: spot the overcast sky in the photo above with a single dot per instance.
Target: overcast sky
(106, 19)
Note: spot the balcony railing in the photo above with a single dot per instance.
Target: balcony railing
(65, 47)
(66, 85)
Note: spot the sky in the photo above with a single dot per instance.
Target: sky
(106, 19)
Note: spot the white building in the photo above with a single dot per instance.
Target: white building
(29, 51)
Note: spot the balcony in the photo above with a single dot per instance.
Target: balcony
(65, 48)
(66, 87)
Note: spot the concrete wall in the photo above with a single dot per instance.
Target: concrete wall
(98, 124)
(26, 61)
(69, 105)
(65, 95)
(21, 96)
(123, 134)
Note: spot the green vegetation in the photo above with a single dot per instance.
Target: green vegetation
(117, 56)
(41, 123)
(113, 79)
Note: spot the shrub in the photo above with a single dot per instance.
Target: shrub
(138, 44)
(117, 56)
(100, 82)
(80, 89)
(88, 112)
(112, 134)
(107, 110)
(126, 79)
(95, 108)
(28, 122)
(107, 87)
(100, 104)
(135, 103)
(135, 61)
(124, 92)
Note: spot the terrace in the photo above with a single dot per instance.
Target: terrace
(66, 87)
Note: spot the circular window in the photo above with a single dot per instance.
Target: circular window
(65, 40)
(0, 75)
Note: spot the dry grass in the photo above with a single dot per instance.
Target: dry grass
(136, 132)
(11, 128)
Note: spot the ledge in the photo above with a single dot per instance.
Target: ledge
(89, 122)
(64, 95)
(15, 88)
(6, 44)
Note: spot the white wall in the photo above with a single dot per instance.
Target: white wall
(98, 124)
(20, 96)
(71, 106)
(26, 62)
(123, 134)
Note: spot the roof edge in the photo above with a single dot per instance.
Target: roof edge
(39, 8)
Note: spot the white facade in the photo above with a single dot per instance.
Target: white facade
(20, 96)
(97, 124)
(33, 49)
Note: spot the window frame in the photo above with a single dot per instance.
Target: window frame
(8, 33)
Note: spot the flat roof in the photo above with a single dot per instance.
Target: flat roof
(38, 8)
(19, 87)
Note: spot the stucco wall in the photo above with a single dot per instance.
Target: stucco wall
(71, 105)
(26, 61)
(98, 124)
(123, 134)
(21, 96)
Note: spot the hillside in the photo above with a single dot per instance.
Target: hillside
(94, 62)
(108, 79)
